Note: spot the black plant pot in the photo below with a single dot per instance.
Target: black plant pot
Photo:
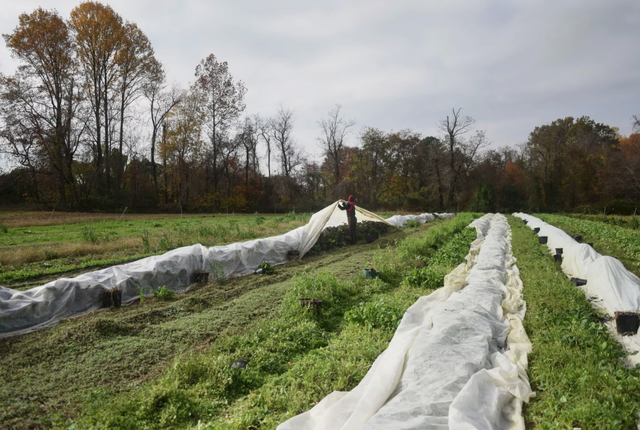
(627, 323)
(579, 282)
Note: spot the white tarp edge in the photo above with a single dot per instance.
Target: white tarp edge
(44, 306)
(450, 363)
(610, 286)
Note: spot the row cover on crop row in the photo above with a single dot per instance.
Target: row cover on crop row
(457, 359)
(608, 283)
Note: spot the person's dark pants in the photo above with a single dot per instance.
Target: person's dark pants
(352, 228)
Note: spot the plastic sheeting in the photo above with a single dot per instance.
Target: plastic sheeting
(610, 286)
(401, 220)
(457, 360)
(40, 307)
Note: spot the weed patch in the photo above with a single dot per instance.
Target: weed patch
(412, 224)
(163, 293)
(379, 313)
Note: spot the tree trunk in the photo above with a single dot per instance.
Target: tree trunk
(440, 190)
(119, 175)
(166, 188)
(106, 138)
(246, 169)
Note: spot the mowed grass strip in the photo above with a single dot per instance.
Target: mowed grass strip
(296, 356)
(575, 367)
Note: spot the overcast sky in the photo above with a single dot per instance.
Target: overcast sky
(512, 65)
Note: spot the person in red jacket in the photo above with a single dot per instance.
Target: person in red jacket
(350, 207)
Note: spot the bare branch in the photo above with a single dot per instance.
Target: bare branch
(334, 129)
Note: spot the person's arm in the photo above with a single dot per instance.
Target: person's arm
(342, 206)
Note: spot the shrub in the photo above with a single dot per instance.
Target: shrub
(4, 228)
(267, 268)
(339, 236)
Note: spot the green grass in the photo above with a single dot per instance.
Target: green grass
(575, 367)
(30, 255)
(45, 376)
(630, 221)
(166, 364)
(607, 239)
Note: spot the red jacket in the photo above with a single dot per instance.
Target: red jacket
(349, 206)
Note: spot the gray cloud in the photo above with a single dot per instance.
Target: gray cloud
(512, 65)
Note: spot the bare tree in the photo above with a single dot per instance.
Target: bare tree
(264, 129)
(636, 123)
(229, 151)
(334, 129)
(462, 152)
(249, 139)
(281, 127)
(135, 61)
(161, 102)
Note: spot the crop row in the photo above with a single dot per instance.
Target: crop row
(607, 239)
(575, 366)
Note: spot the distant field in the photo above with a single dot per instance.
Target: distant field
(35, 246)
(631, 221)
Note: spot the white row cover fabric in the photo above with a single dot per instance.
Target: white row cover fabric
(607, 278)
(40, 307)
(456, 360)
(401, 220)
(610, 285)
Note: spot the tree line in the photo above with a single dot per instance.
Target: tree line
(91, 123)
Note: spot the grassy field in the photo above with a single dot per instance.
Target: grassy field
(36, 247)
(165, 364)
(630, 221)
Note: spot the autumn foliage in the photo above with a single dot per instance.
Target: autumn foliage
(88, 122)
